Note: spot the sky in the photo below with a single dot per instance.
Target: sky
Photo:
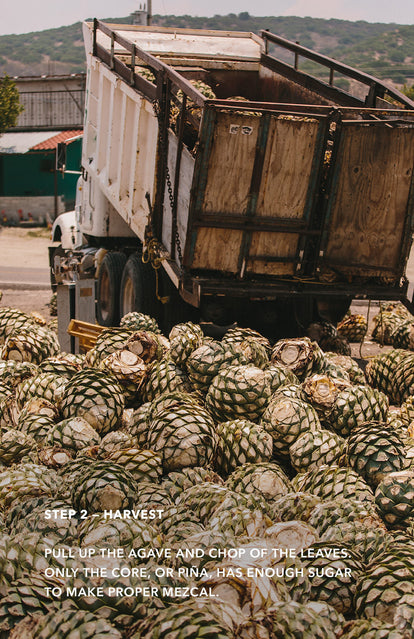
(35, 15)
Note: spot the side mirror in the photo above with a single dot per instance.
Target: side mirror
(61, 157)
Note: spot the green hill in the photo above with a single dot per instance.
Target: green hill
(383, 50)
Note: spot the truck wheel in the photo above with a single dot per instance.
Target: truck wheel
(109, 278)
(334, 308)
(214, 310)
(137, 290)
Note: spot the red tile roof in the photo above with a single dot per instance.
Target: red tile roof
(52, 142)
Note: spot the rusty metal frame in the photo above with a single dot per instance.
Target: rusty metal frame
(267, 288)
(199, 182)
(377, 88)
(163, 97)
(310, 83)
(252, 223)
(311, 248)
(273, 287)
(316, 109)
(154, 63)
(261, 144)
(180, 145)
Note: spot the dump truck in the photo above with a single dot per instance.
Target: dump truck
(231, 176)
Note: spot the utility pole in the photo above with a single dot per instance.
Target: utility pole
(149, 12)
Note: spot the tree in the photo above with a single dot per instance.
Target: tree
(10, 107)
(408, 91)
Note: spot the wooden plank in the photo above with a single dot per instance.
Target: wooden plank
(284, 190)
(282, 245)
(217, 249)
(287, 168)
(369, 204)
(231, 163)
(227, 190)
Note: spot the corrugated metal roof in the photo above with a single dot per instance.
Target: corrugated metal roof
(23, 142)
(34, 140)
(52, 142)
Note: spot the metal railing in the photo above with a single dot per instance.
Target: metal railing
(376, 87)
(61, 109)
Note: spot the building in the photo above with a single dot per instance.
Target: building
(51, 102)
(143, 15)
(31, 189)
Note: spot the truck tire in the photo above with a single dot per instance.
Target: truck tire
(137, 290)
(334, 309)
(109, 280)
(216, 311)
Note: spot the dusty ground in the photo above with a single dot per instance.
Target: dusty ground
(27, 300)
(24, 255)
(26, 247)
(24, 269)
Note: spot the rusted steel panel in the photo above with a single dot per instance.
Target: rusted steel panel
(370, 204)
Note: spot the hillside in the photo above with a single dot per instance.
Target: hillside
(384, 50)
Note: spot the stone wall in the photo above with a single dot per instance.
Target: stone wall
(39, 209)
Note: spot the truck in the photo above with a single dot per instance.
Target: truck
(222, 182)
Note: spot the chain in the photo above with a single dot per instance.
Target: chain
(151, 252)
(163, 141)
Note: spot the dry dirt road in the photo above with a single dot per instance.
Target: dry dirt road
(24, 269)
(24, 277)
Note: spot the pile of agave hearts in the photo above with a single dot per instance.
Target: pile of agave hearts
(280, 478)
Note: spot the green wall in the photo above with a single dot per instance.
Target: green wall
(32, 174)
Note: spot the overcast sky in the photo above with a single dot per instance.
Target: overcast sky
(23, 16)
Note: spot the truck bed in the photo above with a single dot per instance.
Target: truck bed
(278, 184)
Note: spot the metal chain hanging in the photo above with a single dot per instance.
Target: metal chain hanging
(151, 251)
(163, 145)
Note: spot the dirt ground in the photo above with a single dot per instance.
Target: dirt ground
(24, 262)
(27, 300)
(25, 247)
